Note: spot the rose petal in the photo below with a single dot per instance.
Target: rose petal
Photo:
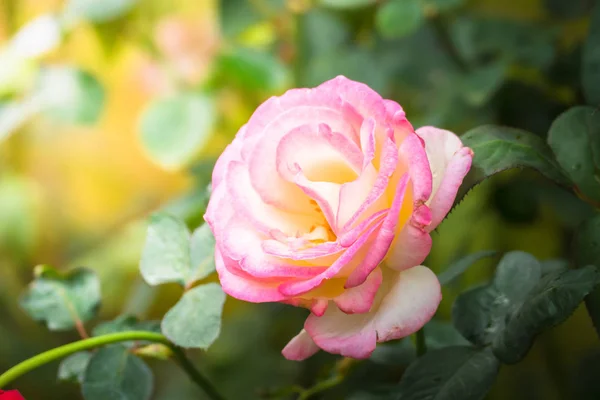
(273, 120)
(450, 162)
(243, 244)
(300, 347)
(384, 238)
(264, 217)
(359, 299)
(346, 260)
(355, 202)
(408, 302)
(244, 287)
(233, 152)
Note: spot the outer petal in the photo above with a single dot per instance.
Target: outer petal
(411, 301)
(244, 287)
(300, 347)
(233, 152)
(449, 162)
(408, 302)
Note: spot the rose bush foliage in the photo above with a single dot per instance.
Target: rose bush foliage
(326, 199)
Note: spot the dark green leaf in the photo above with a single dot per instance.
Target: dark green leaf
(114, 373)
(590, 74)
(70, 95)
(586, 248)
(62, 300)
(252, 69)
(174, 129)
(166, 254)
(517, 274)
(457, 372)
(398, 352)
(72, 368)
(575, 139)
(195, 321)
(550, 303)
(440, 334)
(555, 265)
(99, 11)
(499, 148)
(399, 18)
(458, 267)
(479, 314)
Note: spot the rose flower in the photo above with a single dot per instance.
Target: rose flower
(326, 199)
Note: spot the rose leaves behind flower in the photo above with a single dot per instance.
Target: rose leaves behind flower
(11, 395)
(62, 300)
(325, 200)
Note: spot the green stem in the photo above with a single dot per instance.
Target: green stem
(419, 339)
(321, 386)
(196, 375)
(98, 341)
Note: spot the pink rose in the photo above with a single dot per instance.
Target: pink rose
(325, 200)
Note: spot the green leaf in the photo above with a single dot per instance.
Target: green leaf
(459, 267)
(440, 334)
(114, 373)
(586, 248)
(499, 148)
(517, 274)
(457, 372)
(399, 18)
(70, 95)
(62, 300)
(347, 4)
(99, 11)
(195, 321)
(174, 129)
(171, 254)
(252, 69)
(575, 139)
(480, 314)
(550, 303)
(125, 323)
(590, 73)
(166, 254)
(202, 250)
(72, 368)
(569, 9)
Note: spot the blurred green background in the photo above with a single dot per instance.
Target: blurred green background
(165, 86)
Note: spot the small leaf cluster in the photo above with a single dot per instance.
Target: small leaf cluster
(68, 300)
